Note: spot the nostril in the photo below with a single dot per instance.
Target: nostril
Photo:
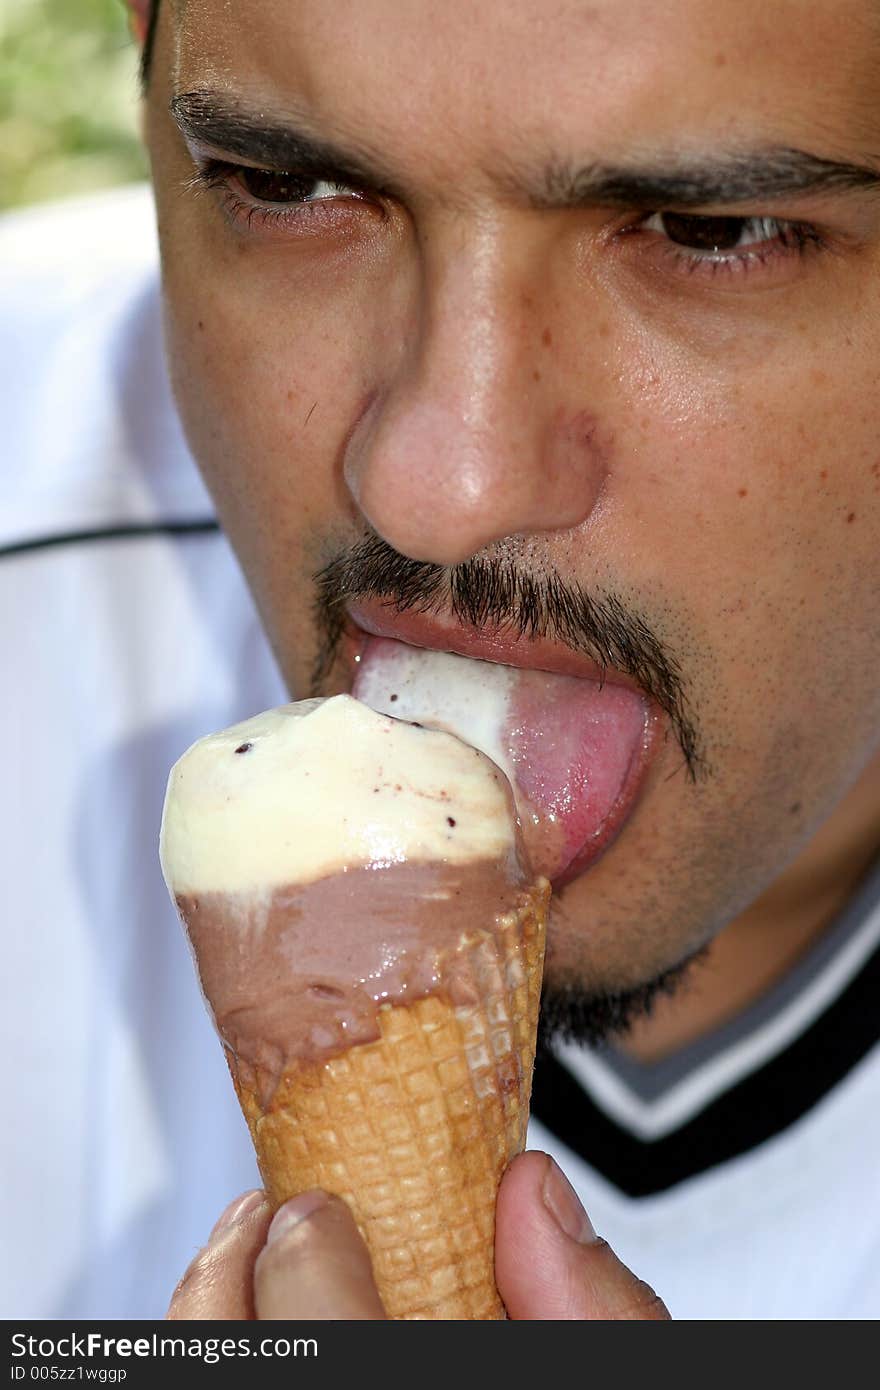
(439, 486)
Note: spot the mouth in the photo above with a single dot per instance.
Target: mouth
(574, 740)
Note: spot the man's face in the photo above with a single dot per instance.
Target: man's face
(596, 306)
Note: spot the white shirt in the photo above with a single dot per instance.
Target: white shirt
(122, 1138)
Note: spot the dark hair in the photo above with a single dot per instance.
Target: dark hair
(147, 54)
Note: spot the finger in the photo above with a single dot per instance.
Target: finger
(315, 1264)
(219, 1282)
(549, 1262)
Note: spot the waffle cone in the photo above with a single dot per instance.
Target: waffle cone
(415, 1129)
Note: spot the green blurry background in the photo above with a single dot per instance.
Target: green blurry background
(68, 99)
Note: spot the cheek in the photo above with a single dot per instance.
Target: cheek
(273, 353)
(264, 396)
(751, 476)
(749, 504)
(269, 371)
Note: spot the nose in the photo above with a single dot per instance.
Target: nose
(479, 433)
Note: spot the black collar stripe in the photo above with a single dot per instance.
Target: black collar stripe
(649, 1082)
(760, 1106)
(760, 1035)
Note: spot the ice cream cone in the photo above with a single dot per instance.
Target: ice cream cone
(369, 936)
(414, 1130)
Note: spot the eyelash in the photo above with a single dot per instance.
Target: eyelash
(793, 240)
(218, 175)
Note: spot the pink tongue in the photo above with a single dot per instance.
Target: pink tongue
(572, 744)
(565, 744)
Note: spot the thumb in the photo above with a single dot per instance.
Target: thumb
(549, 1262)
(315, 1264)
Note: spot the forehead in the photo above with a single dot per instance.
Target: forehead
(611, 76)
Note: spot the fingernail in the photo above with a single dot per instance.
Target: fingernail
(236, 1209)
(293, 1212)
(564, 1206)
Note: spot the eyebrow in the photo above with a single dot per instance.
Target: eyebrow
(211, 118)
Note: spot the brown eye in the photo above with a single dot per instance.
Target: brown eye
(272, 186)
(704, 233)
(712, 244)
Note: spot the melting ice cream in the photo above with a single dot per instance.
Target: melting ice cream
(327, 859)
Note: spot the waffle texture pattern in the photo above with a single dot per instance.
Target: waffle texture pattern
(415, 1130)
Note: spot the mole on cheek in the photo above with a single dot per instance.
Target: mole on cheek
(546, 337)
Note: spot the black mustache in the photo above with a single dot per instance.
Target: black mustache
(490, 592)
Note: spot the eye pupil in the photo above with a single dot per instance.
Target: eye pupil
(703, 233)
(273, 186)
